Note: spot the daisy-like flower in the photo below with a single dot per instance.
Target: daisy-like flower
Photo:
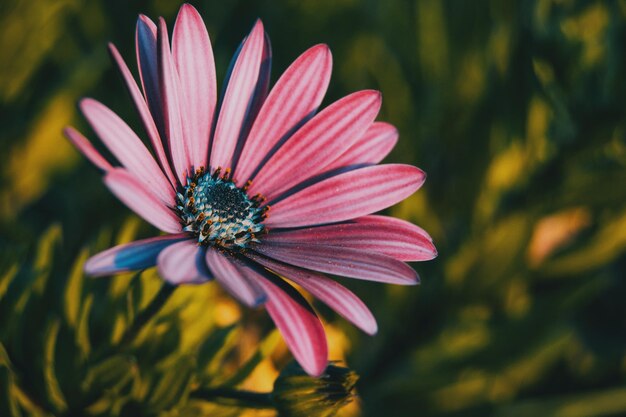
(260, 190)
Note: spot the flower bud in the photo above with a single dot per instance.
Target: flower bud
(297, 394)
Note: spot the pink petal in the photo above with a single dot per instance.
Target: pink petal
(371, 148)
(193, 56)
(183, 263)
(147, 62)
(399, 239)
(316, 144)
(173, 106)
(144, 113)
(135, 195)
(301, 328)
(134, 256)
(333, 294)
(346, 196)
(294, 99)
(238, 98)
(235, 278)
(127, 148)
(86, 148)
(259, 96)
(375, 220)
(347, 262)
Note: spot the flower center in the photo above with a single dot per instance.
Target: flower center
(218, 212)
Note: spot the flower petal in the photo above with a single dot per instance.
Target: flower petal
(294, 99)
(346, 196)
(86, 148)
(347, 262)
(260, 94)
(183, 263)
(316, 144)
(333, 294)
(147, 62)
(234, 277)
(193, 56)
(173, 106)
(399, 239)
(134, 194)
(144, 113)
(134, 256)
(301, 328)
(127, 148)
(238, 98)
(371, 148)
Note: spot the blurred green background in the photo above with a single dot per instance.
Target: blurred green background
(515, 109)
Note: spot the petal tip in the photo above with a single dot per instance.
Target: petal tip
(187, 7)
(92, 267)
(370, 328)
(143, 21)
(315, 368)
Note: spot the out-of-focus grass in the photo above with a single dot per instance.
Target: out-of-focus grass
(516, 110)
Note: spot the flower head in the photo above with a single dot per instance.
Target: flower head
(260, 190)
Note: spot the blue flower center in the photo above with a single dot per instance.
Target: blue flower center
(218, 212)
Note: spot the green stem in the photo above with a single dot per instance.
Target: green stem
(235, 398)
(138, 323)
(145, 315)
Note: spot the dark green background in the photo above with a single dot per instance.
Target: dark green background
(516, 110)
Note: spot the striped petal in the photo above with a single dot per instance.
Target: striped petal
(86, 148)
(147, 62)
(330, 292)
(259, 96)
(144, 113)
(399, 239)
(238, 98)
(346, 262)
(173, 106)
(193, 56)
(347, 196)
(127, 148)
(134, 256)
(371, 148)
(301, 328)
(235, 278)
(293, 100)
(316, 144)
(134, 194)
(183, 263)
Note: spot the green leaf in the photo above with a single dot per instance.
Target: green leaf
(110, 374)
(8, 405)
(215, 347)
(74, 291)
(172, 387)
(53, 390)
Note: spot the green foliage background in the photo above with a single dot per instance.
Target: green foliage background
(515, 109)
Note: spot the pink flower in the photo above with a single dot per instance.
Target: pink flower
(217, 170)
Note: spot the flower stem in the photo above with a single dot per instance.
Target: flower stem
(146, 314)
(138, 323)
(235, 398)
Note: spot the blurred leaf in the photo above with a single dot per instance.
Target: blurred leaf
(73, 290)
(266, 347)
(55, 396)
(215, 347)
(8, 405)
(173, 385)
(610, 402)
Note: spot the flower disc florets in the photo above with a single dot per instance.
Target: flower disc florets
(218, 212)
